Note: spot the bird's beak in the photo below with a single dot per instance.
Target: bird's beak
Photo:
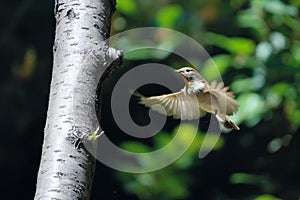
(180, 73)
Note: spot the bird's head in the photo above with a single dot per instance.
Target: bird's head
(189, 74)
(194, 82)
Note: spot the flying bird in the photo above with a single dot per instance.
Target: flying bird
(195, 100)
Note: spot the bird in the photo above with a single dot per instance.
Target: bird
(195, 100)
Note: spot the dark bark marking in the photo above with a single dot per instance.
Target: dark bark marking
(71, 14)
(96, 26)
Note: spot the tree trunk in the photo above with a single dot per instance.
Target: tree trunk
(80, 57)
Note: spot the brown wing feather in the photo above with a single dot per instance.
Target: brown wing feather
(225, 99)
(178, 105)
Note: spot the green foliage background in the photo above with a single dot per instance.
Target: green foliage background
(256, 46)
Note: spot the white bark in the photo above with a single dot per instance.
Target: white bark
(80, 57)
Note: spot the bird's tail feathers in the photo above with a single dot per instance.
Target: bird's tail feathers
(227, 123)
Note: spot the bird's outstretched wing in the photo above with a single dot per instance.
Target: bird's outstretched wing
(178, 105)
(222, 97)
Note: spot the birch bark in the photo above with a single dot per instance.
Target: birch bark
(80, 56)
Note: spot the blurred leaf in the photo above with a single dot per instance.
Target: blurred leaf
(210, 11)
(219, 63)
(135, 147)
(184, 162)
(119, 23)
(292, 23)
(146, 179)
(128, 7)
(263, 50)
(26, 69)
(295, 3)
(279, 8)
(279, 91)
(248, 19)
(294, 118)
(237, 3)
(162, 139)
(273, 99)
(251, 108)
(286, 139)
(163, 183)
(174, 187)
(212, 141)
(137, 47)
(144, 54)
(235, 45)
(295, 53)
(280, 88)
(267, 197)
(168, 15)
(247, 84)
(244, 178)
(274, 145)
(261, 181)
(275, 7)
(186, 134)
(278, 41)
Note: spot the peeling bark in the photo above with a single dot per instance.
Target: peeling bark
(81, 55)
